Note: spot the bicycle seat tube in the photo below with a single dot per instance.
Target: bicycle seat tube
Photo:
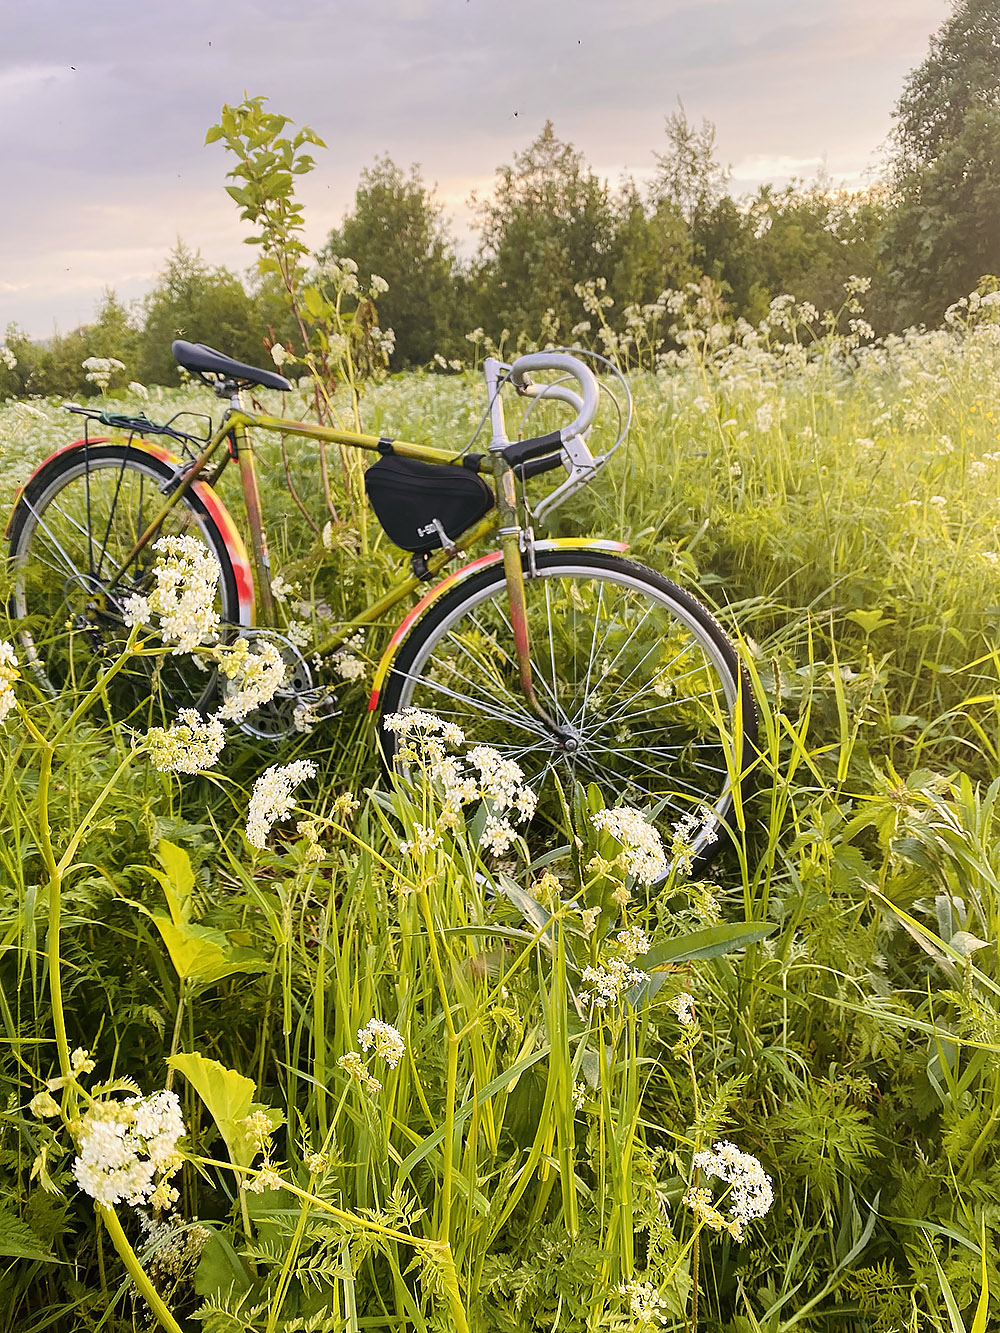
(510, 533)
(242, 450)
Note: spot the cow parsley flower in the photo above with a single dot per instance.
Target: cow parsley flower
(634, 942)
(183, 598)
(483, 774)
(642, 853)
(8, 675)
(610, 982)
(189, 745)
(383, 1040)
(100, 369)
(254, 674)
(128, 1150)
(353, 1065)
(271, 799)
(645, 1304)
(750, 1193)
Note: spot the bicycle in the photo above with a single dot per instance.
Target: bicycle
(560, 652)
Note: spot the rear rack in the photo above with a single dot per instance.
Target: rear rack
(143, 425)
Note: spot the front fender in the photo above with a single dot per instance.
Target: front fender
(458, 576)
(216, 510)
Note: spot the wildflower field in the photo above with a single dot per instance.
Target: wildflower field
(288, 1046)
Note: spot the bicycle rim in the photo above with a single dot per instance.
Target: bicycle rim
(73, 527)
(636, 671)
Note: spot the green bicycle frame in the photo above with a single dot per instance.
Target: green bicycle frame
(232, 437)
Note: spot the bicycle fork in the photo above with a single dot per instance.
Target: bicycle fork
(510, 534)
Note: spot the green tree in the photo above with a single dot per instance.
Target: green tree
(549, 224)
(654, 249)
(203, 304)
(688, 176)
(943, 234)
(397, 231)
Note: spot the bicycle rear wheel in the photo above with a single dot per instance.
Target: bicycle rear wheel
(639, 675)
(76, 521)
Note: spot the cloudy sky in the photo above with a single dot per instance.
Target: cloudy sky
(105, 105)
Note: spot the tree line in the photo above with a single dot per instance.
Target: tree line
(923, 235)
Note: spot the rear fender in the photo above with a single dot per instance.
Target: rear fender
(216, 510)
(458, 576)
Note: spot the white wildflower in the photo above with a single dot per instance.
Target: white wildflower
(80, 1061)
(642, 849)
(271, 799)
(254, 676)
(189, 745)
(353, 1065)
(610, 982)
(8, 357)
(424, 840)
(378, 285)
(633, 943)
(645, 1304)
(282, 590)
(186, 579)
(589, 917)
(750, 1194)
(347, 666)
(125, 1146)
(138, 390)
(683, 1006)
(383, 1040)
(43, 1105)
(8, 675)
(100, 369)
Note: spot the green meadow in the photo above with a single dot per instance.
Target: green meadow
(519, 1158)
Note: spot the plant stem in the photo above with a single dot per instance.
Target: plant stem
(53, 959)
(448, 1145)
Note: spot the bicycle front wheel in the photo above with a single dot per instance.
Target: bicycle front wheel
(75, 524)
(644, 684)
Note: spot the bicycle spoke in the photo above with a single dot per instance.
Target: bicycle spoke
(527, 721)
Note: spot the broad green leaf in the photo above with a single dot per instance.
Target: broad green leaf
(18, 1241)
(177, 880)
(221, 1272)
(869, 620)
(204, 955)
(227, 1094)
(709, 943)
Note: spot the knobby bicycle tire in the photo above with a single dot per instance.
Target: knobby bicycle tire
(76, 520)
(635, 666)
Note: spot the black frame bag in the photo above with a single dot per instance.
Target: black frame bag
(408, 496)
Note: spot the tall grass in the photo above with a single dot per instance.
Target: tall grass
(524, 1165)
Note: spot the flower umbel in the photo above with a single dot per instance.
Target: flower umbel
(188, 745)
(383, 1040)
(128, 1150)
(186, 579)
(642, 854)
(254, 674)
(8, 675)
(750, 1192)
(271, 799)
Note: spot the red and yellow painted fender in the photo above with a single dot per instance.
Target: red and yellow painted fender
(459, 576)
(217, 512)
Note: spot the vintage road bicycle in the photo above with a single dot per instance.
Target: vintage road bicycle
(561, 652)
